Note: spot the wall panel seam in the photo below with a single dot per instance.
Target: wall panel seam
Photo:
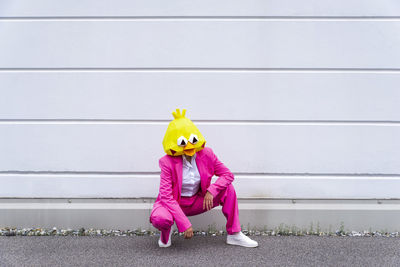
(202, 122)
(200, 18)
(202, 69)
(237, 174)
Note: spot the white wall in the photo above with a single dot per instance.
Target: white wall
(299, 99)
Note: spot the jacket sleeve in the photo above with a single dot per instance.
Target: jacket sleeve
(225, 178)
(167, 200)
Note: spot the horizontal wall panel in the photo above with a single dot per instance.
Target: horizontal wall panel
(328, 215)
(200, 44)
(252, 147)
(244, 95)
(246, 186)
(16, 8)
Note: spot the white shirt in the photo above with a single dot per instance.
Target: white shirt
(190, 177)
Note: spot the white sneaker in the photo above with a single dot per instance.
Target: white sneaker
(241, 239)
(161, 244)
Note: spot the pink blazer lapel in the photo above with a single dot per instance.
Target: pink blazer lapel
(178, 169)
(200, 168)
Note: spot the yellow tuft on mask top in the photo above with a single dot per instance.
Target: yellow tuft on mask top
(182, 136)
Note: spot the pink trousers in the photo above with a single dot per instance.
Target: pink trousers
(162, 219)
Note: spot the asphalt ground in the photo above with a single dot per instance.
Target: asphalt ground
(200, 250)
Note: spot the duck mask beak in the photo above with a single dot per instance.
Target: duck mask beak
(189, 149)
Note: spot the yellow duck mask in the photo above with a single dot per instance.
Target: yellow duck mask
(182, 136)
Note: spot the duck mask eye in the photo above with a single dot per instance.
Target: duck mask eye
(182, 141)
(193, 139)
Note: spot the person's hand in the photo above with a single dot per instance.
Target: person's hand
(188, 233)
(208, 201)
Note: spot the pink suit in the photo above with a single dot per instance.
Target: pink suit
(170, 205)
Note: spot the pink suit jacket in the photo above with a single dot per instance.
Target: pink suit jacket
(171, 182)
